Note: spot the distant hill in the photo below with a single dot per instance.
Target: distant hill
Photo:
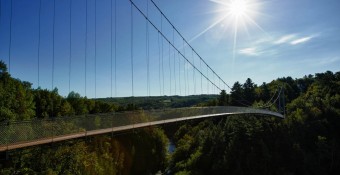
(158, 102)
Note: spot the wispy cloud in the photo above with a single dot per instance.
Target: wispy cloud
(318, 61)
(301, 40)
(251, 51)
(285, 39)
(329, 60)
(293, 39)
(275, 45)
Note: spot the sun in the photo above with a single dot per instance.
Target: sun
(233, 17)
(237, 8)
(237, 11)
(237, 14)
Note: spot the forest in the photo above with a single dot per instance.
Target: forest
(306, 141)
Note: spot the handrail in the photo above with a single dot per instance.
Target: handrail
(17, 134)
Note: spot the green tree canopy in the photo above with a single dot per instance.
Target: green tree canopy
(236, 94)
(223, 99)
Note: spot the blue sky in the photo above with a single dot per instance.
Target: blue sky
(276, 39)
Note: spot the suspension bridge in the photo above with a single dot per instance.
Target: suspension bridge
(154, 57)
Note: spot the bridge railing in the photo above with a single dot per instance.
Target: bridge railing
(78, 126)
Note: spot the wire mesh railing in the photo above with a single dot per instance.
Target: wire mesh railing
(26, 133)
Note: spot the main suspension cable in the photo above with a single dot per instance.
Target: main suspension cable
(269, 103)
(278, 96)
(187, 42)
(164, 37)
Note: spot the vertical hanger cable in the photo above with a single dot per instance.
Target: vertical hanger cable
(39, 40)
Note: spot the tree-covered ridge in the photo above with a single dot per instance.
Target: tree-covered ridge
(160, 102)
(251, 94)
(306, 142)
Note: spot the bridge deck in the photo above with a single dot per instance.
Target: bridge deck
(37, 132)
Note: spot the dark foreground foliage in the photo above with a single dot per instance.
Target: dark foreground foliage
(140, 152)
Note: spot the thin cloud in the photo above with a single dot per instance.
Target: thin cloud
(318, 61)
(285, 39)
(330, 60)
(264, 40)
(301, 40)
(251, 51)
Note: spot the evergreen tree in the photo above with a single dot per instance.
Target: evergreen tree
(249, 90)
(236, 94)
(264, 94)
(223, 99)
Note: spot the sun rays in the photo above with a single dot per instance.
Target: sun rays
(235, 16)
